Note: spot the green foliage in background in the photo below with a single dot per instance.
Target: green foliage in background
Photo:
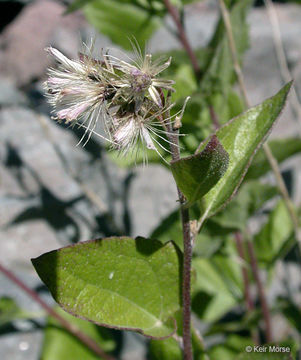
(135, 284)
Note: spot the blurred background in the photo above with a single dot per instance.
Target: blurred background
(53, 193)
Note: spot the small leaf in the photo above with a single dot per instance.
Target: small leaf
(197, 174)
(218, 285)
(241, 137)
(250, 198)
(229, 347)
(219, 73)
(185, 83)
(9, 310)
(170, 228)
(76, 5)
(124, 283)
(120, 21)
(59, 344)
(167, 349)
(291, 311)
(274, 234)
(133, 160)
(264, 355)
(281, 149)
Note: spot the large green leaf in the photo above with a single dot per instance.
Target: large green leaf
(241, 137)
(59, 344)
(197, 174)
(281, 149)
(274, 235)
(124, 283)
(121, 20)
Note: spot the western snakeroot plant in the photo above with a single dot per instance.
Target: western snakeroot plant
(142, 284)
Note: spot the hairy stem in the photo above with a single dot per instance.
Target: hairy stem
(186, 286)
(273, 162)
(261, 293)
(74, 330)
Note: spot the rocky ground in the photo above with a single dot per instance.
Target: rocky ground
(34, 183)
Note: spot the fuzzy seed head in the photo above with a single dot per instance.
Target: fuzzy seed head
(124, 96)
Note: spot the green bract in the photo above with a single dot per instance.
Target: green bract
(196, 175)
(241, 137)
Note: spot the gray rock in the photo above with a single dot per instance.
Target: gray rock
(22, 55)
(10, 95)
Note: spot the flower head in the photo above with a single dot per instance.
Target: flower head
(140, 78)
(124, 96)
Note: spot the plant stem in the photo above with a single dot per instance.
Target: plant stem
(247, 295)
(261, 293)
(173, 12)
(187, 347)
(74, 330)
(187, 240)
(273, 162)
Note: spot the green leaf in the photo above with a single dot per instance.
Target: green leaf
(241, 137)
(10, 311)
(230, 347)
(169, 229)
(226, 106)
(168, 349)
(281, 149)
(250, 198)
(76, 5)
(265, 355)
(197, 174)
(218, 285)
(121, 20)
(185, 83)
(274, 234)
(59, 344)
(219, 73)
(124, 283)
(135, 159)
(291, 311)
